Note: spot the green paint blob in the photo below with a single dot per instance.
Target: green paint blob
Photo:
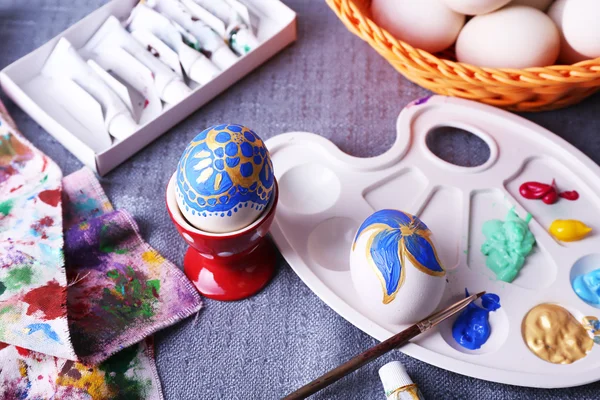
(17, 278)
(6, 310)
(507, 245)
(131, 297)
(106, 241)
(128, 385)
(113, 274)
(5, 207)
(2, 288)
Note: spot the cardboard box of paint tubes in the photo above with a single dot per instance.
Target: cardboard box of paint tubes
(127, 73)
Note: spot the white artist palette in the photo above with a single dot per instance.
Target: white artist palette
(325, 194)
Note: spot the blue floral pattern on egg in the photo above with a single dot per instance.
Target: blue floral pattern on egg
(223, 169)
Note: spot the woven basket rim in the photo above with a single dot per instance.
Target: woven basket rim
(560, 73)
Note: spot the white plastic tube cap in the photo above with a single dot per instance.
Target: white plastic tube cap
(203, 71)
(394, 376)
(122, 126)
(223, 57)
(175, 91)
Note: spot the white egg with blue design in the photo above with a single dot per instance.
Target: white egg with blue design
(395, 268)
(224, 179)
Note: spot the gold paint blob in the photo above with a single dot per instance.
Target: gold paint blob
(407, 392)
(554, 335)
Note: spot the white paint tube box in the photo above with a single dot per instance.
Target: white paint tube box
(23, 83)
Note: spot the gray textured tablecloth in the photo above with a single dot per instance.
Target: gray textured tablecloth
(331, 83)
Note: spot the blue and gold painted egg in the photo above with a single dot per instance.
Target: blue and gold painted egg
(395, 267)
(224, 179)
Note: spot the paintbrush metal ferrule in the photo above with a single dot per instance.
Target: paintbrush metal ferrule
(436, 318)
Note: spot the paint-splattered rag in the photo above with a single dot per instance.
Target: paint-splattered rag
(80, 291)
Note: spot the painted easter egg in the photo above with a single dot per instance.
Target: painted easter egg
(395, 268)
(224, 179)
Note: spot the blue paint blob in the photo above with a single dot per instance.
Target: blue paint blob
(231, 149)
(223, 137)
(246, 149)
(229, 213)
(232, 191)
(223, 199)
(246, 169)
(587, 287)
(472, 328)
(257, 160)
(253, 186)
(232, 162)
(202, 135)
(234, 128)
(219, 164)
(45, 328)
(220, 152)
(249, 136)
(594, 329)
(218, 127)
(222, 214)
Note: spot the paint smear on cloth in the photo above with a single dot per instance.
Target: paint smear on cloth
(120, 290)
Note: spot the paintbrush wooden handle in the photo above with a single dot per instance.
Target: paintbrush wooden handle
(355, 363)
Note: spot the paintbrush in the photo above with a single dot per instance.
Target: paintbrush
(374, 352)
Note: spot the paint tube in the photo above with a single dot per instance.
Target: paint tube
(397, 384)
(212, 44)
(197, 67)
(227, 22)
(65, 62)
(112, 36)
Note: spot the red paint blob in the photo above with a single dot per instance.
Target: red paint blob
(570, 195)
(46, 221)
(547, 193)
(146, 102)
(537, 190)
(48, 299)
(3, 345)
(40, 377)
(45, 164)
(16, 188)
(23, 352)
(51, 197)
(41, 224)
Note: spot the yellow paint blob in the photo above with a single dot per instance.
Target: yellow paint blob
(22, 368)
(92, 381)
(569, 230)
(554, 335)
(153, 258)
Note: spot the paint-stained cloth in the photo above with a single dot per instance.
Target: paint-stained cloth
(79, 292)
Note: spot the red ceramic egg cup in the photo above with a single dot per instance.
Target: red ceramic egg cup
(227, 266)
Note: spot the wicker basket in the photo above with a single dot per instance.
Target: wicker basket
(531, 89)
